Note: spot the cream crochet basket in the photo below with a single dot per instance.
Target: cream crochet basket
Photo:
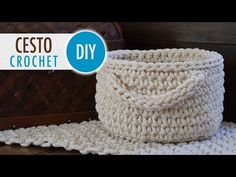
(165, 95)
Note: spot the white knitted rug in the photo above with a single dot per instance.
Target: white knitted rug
(90, 137)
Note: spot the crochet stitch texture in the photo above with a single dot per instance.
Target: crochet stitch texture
(165, 95)
(90, 137)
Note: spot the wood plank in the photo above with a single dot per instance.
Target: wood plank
(34, 120)
(34, 150)
(201, 32)
(18, 150)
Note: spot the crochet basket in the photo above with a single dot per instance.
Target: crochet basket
(165, 95)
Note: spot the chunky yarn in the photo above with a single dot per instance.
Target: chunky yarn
(90, 137)
(165, 95)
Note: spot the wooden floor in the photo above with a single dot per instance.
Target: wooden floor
(33, 150)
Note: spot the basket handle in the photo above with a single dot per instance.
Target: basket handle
(162, 101)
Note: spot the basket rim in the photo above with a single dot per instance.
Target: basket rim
(116, 59)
